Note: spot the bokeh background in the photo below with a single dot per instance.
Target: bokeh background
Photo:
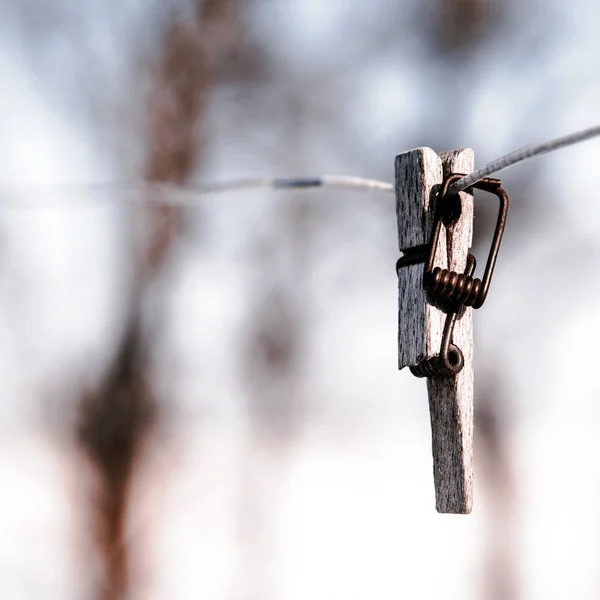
(204, 402)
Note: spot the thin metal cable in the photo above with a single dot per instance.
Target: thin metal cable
(525, 153)
(171, 194)
(327, 181)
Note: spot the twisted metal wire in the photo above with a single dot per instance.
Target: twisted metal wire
(524, 154)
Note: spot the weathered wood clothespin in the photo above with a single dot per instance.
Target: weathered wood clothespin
(437, 291)
(419, 176)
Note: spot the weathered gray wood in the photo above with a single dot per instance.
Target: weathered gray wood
(421, 325)
(451, 398)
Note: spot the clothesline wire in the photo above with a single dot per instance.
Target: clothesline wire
(171, 194)
(164, 193)
(526, 153)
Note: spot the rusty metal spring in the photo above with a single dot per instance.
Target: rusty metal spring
(450, 360)
(449, 290)
(455, 288)
(436, 365)
(462, 289)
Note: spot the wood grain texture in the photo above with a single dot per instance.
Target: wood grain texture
(418, 173)
(420, 325)
(451, 398)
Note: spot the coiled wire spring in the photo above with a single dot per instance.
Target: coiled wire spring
(449, 290)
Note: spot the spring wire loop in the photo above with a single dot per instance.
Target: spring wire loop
(451, 291)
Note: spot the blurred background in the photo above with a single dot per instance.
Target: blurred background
(204, 402)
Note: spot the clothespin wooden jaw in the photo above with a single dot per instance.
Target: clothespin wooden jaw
(419, 176)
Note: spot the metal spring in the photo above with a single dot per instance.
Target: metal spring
(437, 366)
(449, 290)
(460, 289)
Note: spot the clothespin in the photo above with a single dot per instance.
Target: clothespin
(436, 295)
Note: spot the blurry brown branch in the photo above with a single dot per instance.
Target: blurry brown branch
(461, 25)
(273, 362)
(118, 415)
(114, 419)
(500, 578)
(277, 325)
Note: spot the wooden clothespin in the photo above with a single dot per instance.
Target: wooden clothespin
(436, 294)
(419, 176)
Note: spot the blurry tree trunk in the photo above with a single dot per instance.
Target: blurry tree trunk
(118, 415)
(461, 25)
(500, 581)
(273, 364)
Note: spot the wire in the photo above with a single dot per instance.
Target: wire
(171, 194)
(327, 181)
(525, 153)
